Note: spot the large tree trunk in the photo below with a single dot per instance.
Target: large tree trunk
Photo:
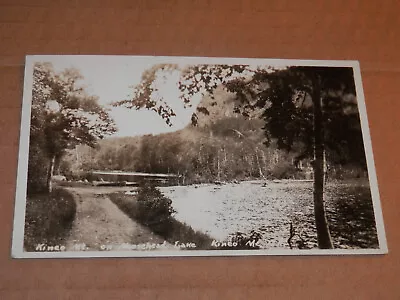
(50, 171)
(321, 223)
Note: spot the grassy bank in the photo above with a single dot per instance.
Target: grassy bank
(151, 209)
(48, 218)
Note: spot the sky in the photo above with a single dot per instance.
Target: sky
(111, 77)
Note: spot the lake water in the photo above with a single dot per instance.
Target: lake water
(222, 210)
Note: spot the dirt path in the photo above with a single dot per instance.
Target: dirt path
(100, 225)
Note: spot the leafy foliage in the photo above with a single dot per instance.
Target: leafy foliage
(154, 209)
(62, 116)
(144, 93)
(284, 96)
(304, 107)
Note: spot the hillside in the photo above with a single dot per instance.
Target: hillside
(212, 109)
(220, 145)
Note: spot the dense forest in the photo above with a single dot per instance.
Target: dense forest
(219, 146)
(226, 150)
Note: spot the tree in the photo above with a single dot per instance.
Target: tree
(310, 109)
(302, 107)
(63, 116)
(144, 92)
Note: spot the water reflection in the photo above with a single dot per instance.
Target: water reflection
(351, 216)
(270, 209)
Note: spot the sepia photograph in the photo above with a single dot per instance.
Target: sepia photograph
(137, 156)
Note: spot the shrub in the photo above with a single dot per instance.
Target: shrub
(154, 209)
(285, 170)
(37, 169)
(48, 218)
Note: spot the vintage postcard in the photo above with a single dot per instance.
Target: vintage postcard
(133, 156)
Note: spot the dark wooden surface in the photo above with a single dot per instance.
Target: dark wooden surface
(364, 30)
